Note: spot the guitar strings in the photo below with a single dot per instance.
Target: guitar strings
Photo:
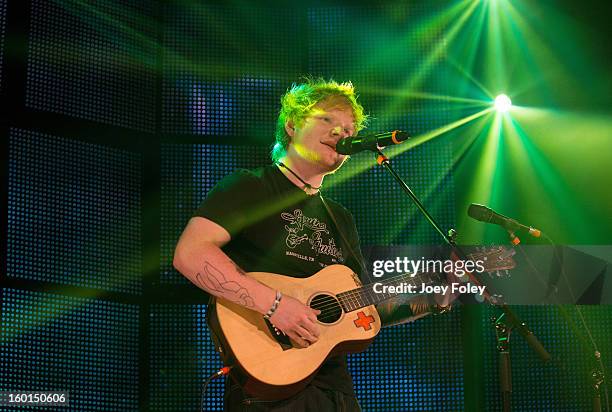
(329, 309)
(328, 316)
(357, 295)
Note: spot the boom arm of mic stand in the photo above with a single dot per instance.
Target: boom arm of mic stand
(532, 341)
(383, 160)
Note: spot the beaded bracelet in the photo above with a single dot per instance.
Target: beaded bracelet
(274, 305)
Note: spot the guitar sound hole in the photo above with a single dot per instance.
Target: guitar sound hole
(329, 306)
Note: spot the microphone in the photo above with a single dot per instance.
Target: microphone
(356, 144)
(484, 214)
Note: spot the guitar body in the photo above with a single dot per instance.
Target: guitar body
(269, 369)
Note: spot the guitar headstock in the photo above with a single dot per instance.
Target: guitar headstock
(497, 260)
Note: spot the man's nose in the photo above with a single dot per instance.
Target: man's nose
(340, 132)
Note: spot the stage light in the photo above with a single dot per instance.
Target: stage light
(502, 103)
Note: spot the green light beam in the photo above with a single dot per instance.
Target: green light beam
(437, 52)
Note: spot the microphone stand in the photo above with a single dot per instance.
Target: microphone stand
(383, 161)
(450, 239)
(502, 334)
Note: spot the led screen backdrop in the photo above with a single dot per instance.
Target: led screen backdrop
(225, 66)
(2, 35)
(182, 357)
(87, 347)
(74, 213)
(94, 61)
(412, 367)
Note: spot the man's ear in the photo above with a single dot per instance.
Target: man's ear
(290, 127)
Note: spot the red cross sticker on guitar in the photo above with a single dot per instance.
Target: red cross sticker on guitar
(363, 321)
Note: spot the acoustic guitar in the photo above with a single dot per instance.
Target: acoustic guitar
(265, 362)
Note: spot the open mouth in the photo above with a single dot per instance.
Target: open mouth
(330, 145)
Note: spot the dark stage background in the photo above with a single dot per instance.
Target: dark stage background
(119, 117)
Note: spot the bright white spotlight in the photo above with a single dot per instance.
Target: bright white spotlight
(502, 103)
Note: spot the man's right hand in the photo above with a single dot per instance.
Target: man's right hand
(297, 321)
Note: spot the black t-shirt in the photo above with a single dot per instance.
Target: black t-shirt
(276, 227)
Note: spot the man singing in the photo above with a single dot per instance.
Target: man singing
(274, 219)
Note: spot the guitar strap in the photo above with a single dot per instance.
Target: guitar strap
(340, 231)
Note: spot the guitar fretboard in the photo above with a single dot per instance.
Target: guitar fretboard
(365, 295)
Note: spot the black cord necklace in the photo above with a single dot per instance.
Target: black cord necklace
(307, 186)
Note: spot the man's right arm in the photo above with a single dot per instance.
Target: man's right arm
(198, 256)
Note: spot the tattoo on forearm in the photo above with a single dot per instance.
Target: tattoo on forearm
(212, 279)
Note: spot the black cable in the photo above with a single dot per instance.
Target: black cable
(221, 372)
(587, 342)
(591, 339)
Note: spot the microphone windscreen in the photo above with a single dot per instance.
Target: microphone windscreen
(344, 146)
(479, 212)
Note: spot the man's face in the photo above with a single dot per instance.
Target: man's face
(315, 139)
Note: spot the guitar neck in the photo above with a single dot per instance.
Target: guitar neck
(358, 298)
